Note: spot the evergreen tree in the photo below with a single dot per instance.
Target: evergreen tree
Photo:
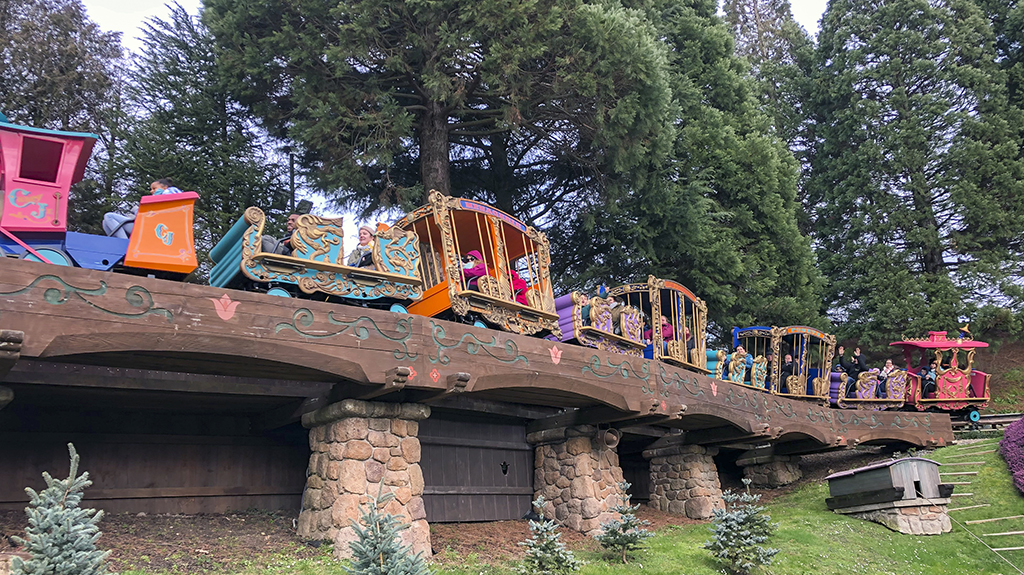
(379, 551)
(719, 215)
(381, 97)
(59, 71)
(627, 533)
(738, 532)
(545, 553)
(188, 127)
(916, 186)
(61, 536)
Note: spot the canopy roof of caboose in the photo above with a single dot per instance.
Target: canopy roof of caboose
(467, 227)
(937, 340)
(86, 138)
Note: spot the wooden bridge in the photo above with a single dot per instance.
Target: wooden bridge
(191, 395)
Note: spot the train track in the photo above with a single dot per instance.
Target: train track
(992, 421)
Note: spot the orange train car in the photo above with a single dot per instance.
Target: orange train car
(514, 255)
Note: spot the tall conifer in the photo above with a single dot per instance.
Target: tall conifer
(916, 186)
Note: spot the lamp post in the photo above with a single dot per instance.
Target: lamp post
(291, 177)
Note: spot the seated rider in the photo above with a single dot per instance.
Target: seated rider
(121, 225)
(883, 379)
(788, 368)
(272, 245)
(742, 352)
(473, 268)
(362, 255)
(667, 334)
(852, 369)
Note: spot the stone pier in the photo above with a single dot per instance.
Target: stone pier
(765, 469)
(357, 446)
(684, 479)
(577, 471)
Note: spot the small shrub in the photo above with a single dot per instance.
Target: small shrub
(61, 536)
(1011, 447)
(545, 553)
(379, 551)
(627, 534)
(738, 532)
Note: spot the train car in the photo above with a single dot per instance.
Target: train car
(868, 391)
(513, 290)
(38, 168)
(812, 351)
(620, 319)
(959, 388)
(316, 265)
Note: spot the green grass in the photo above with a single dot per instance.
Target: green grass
(812, 539)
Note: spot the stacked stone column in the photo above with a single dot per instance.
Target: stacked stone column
(778, 471)
(357, 446)
(685, 480)
(576, 470)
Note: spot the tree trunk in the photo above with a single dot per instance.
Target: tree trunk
(434, 159)
(504, 182)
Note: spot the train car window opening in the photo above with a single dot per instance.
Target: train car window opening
(40, 159)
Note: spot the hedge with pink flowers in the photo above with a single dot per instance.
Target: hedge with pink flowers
(1011, 447)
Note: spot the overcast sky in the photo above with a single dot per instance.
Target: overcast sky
(127, 15)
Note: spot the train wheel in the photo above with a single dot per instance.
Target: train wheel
(973, 416)
(279, 292)
(398, 308)
(56, 257)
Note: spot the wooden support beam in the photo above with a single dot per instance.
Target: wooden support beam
(287, 414)
(655, 413)
(457, 383)
(76, 375)
(993, 519)
(10, 350)
(465, 402)
(968, 507)
(394, 380)
(962, 495)
(957, 483)
(1007, 548)
(723, 435)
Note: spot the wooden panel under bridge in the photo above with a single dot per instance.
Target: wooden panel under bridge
(97, 346)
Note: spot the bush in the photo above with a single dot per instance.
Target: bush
(545, 553)
(1011, 448)
(627, 534)
(61, 536)
(738, 532)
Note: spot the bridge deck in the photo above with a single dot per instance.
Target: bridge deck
(277, 357)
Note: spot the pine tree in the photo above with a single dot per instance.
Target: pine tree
(738, 532)
(379, 550)
(382, 96)
(718, 215)
(625, 534)
(189, 128)
(61, 536)
(917, 183)
(545, 552)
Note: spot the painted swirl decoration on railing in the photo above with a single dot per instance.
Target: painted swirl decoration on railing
(303, 319)
(474, 346)
(136, 296)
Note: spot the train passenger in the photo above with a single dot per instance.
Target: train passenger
(741, 351)
(853, 369)
(788, 368)
(473, 269)
(272, 245)
(120, 225)
(927, 374)
(667, 334)
(883, 379)
(362, 255)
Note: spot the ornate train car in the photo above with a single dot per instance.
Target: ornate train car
(808, 375)
(957, 386)
(620, 319)
(38, 168)
(314, 264)
(513, 289)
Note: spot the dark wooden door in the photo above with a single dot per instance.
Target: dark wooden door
(475, 471)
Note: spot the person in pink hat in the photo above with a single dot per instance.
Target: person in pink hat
(473, 268)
